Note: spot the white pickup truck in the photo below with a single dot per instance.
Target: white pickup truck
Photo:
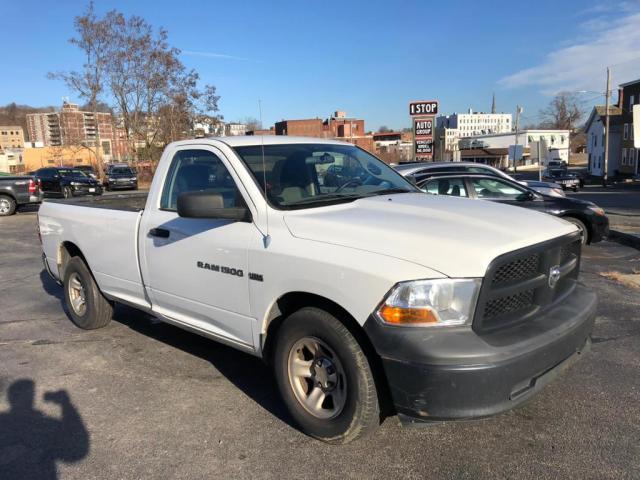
(362, 292)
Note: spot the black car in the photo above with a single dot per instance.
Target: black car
(587, 216)
(563, 177)
(121, 178)
(67, 182)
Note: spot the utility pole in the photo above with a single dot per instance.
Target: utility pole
(606, 129)
(515, 150)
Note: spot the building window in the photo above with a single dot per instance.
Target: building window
(625, 135)
(624, 156)
(632, 101)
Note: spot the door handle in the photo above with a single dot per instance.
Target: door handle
(159, 232)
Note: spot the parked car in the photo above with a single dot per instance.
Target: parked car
(87, 170)
(121, 178)
(67, 182)
(587, 216)
(353, 293)
(419, 171)
(563, 177)
(16, 191)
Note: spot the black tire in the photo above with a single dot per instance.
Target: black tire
(98, 311)
(67, 192)
(7, 206)
(361, 412)
(584, 231)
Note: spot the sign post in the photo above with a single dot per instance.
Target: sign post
(423, 114)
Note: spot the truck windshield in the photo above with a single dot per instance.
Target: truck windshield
(311, 175)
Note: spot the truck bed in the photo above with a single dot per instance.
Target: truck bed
(128, 202)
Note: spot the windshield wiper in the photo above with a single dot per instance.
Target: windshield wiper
(324, 198)
(387, 191)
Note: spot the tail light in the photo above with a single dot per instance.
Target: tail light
(33, 187)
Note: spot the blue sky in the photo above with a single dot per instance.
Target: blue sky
(305, 59)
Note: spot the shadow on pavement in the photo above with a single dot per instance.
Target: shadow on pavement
(31, 442)
(248, 373)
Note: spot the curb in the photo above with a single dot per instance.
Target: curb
(625, 239)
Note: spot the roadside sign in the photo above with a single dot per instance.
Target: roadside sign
(516, 152)
(424, 146)
(636, 126)
(428, 107)
(423, 127)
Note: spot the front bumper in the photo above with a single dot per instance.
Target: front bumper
(130, 184)
(453, 373)
(599, 228)
(86, 189)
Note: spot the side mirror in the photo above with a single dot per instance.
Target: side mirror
(209, 205)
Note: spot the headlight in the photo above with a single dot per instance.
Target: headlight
(597, 210)
(425, 303)
(76, 184)
(558, 192)
(134, 178)
(111, 179)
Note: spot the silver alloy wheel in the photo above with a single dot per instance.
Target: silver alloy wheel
(77, 295)
(317, 378)
(5, 205)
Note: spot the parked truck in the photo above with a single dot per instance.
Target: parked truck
(367, 298)
(16, 191)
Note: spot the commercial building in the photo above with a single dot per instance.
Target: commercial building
(338, 126)
(11, 137)
(234, 129)
(475, 123)
(35, 158)
(11, 162)
(554, 144)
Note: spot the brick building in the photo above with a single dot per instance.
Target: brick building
(72, 126)
(311, 127)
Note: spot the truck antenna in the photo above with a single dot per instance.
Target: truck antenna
(266, 239)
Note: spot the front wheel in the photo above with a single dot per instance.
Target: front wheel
(584, 231)
(325, 378)
(66, 192)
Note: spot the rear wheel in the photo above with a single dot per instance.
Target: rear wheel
(584, 231)
(87, 306)
(325, 378)
(7, 206)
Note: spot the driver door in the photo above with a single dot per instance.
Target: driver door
(196, 269)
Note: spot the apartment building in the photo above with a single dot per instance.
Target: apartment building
(71, 126)
(475, 123)
(11, 137)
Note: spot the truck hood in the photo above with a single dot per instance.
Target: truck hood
(458, 237)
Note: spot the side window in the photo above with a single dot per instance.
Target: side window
(495, 189)
(197, 171)
(453, 187)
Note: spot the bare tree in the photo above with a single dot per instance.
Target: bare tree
(563, 112)
(384, 129)
(252, 123)
(131, 64)
(93, 39)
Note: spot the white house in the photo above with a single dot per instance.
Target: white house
(594, 129)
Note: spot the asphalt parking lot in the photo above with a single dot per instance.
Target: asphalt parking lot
(142, 399)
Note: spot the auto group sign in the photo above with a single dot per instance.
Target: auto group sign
(423, 114)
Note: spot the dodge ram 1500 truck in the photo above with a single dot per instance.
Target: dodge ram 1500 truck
(17, 191)
(359, 290)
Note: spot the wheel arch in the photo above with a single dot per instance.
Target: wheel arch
(584, 219)
(66, 251)
(290, 302)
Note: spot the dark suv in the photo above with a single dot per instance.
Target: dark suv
(67, 182)
(120, 177)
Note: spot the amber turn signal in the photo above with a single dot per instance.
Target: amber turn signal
(407, 316)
